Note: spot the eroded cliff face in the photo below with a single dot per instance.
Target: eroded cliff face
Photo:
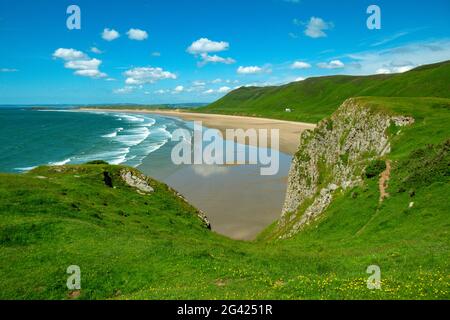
(332, 158)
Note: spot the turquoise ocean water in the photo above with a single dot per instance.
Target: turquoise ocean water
(29, 138)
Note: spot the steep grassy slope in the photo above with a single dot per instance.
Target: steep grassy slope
(153, 246)
(316, 98)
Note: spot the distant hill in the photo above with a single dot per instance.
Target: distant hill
(316, 98)
(131, 106)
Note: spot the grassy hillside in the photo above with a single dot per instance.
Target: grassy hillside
(154, 246)
(316, 98)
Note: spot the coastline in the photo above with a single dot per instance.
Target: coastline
(289, 130)
(227, 193)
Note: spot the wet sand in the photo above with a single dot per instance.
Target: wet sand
(237, 200)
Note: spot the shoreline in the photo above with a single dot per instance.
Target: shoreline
(289, 130)
(227, 193)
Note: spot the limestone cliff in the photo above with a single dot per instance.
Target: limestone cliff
(332, 158)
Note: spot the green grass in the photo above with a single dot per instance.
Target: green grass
(313, 99)
(131, 246)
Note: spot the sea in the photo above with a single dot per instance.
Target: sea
(30, 137)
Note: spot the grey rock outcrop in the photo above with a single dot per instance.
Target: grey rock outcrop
(402, 121)
(137, 181)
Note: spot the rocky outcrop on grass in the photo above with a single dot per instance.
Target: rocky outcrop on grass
(137, 181)
(333, 157)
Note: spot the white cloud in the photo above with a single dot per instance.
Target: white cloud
(389, 39)
(299, 79)
(206, 171)
(300, 65)
(137, 34)
(142, 75)
(316, 26)
(383, 71)
(401, 58)
(96, 50)
(161, 91)
(219, 80)
(223, 89)
(132, 81)
(83, 64)
(156, 54)
(79, 61)
(92, 73)
(198, 83)
(110, 34)
(178, 89)
(204, 45)
(249, 70)
(124, 90)
(214, 59)
(398, 69)
(68, 54)
(401, 69)
(8, 70)
(334, 64)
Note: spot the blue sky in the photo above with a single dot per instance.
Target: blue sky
(174, 51)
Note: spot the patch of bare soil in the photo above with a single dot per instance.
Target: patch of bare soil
(383, 182)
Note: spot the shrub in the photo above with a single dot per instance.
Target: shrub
(97, 162)
(375, 168)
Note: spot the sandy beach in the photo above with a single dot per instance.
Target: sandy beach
(289, 130)
(238, 201)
